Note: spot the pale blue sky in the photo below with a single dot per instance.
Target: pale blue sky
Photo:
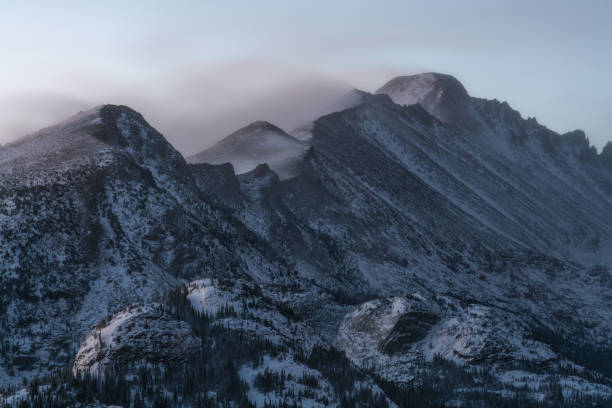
(198, 69)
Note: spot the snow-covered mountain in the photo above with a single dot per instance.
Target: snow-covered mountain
(258, 143)
(97, 213)
(477, 217)
(423, 245)
(443, 96)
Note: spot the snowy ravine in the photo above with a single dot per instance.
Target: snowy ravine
(419, 240)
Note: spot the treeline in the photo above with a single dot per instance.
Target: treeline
(441, 381)
(581, 352)
(211, 378)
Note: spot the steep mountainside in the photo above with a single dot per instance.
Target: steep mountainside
(556, 186)
(423, 247)
(100, 212)
(497, 229)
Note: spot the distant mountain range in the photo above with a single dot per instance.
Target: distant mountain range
(413, 247)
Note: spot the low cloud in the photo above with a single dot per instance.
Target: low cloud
(192, 106)
(24, 113)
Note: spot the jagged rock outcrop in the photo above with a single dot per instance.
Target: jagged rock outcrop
(410, 327)
(443, 96)
(138, 335)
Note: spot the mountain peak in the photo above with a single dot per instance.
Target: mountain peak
(54, 147)
(262, 124)
(93, 122)
(257, 143)
(256, 132)
(420, 87)
(441, 95)
(88, 138)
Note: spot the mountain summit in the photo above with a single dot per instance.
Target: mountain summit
(441, 95)
(257, 143)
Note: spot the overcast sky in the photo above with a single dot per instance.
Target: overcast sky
(198, 70)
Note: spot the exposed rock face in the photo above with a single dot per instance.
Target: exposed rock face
(217, 182)
(606, 156)
(386, 327)
(136, 335)
(410, 328)
(391, 335)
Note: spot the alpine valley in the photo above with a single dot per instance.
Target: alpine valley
(416, 247)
